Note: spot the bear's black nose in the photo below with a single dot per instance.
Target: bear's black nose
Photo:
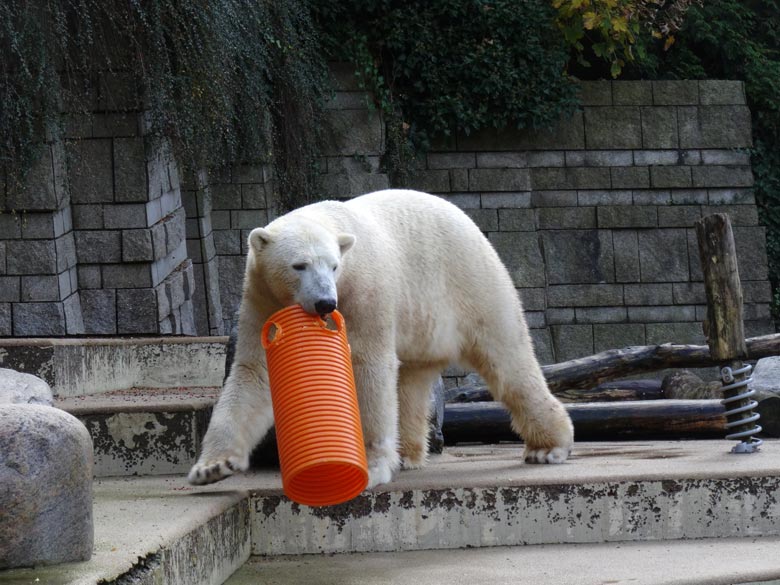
(325, 306)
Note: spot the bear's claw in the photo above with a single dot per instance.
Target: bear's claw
(554, 455)
(213, 471)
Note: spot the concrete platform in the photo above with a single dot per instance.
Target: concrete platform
(706, 562)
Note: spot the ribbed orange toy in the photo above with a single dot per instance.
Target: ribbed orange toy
(318, 432)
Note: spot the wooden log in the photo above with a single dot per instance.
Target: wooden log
(489, 422)
(614, 392)
(593, 370)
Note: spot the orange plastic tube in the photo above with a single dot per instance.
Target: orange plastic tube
(318, 431)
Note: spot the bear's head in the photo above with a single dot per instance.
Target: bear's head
(300, 261)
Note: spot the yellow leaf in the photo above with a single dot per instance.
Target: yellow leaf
(589, 20)
(669, 42)
(657, 34)
(619, 24)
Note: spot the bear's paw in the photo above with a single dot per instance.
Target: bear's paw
(216, 469)
(554, 455)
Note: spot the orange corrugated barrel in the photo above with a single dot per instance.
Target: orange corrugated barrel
(318, 432)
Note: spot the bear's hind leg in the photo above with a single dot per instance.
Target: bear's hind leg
(508, 364)
(414, 396)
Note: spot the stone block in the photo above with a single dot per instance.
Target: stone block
(546, 158)
(31, 257)
(46, 473)
(174, 289)
(715, 127)
(617, 336)
(632, 93)
(6, 326)
(722, 176)
(353, 131)
(657, 157)
(98, 247)
(596, 93)
(98, 309)
(725, 157)
(678, 215)
(38, 191)
(516, 220)
(226, 196)
(613, 127)
(158, 239)
(560, 316)
(683, 333)
(38, 226)
(40, 288)
(89, 277)
(572, 341)
(750, 243)
(499, 180)
(109, 125)
(20, 388)
(757, 292)
(2, 257)
(675, 93)
(659, 127)
(721, 92)
(90, 171)
(459, 179)
(486, 219)
(542, 344)
(648, 294)
(248, 218)
(65, 284)
(622, 216)
(522, 257)
(626, 249)
(456, 160)
(10, 225)
(600, 158)
(127, 275)
(663, 255)
(227, 242)
(585, 295)
(601, 315)
(505, 200)
(652, 197)
(734, 196)
(125, 216)
(136, 311)
(137, 246)
(501, 160)
(87, 217)
(689, 196)
(578, 256)
(671, 177)
(565, 218)
(630, 177)
(10, 289)
(689, 293)
(74, 319)
(39, 319)
(253, 196)
(65, 248)
(175, 232)
(610, 197)
(567, 134)
(533, 299)
(665, 314)
(130, 170)
(567, 198)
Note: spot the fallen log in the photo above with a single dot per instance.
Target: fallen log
(488, 422)
(593, 370)
(608, 392)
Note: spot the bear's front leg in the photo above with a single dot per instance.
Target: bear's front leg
(244, 412)
(376, 381)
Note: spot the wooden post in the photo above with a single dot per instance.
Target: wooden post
(724, 327)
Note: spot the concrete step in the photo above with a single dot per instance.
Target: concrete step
(727, 561)
(151, 531)
(144, 431)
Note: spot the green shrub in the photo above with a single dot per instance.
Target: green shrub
(440, 67)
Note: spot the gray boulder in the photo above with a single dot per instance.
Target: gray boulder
(766, 375)
(45, 487)
(19, 388)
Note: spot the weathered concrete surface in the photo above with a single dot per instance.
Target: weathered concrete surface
(151, 531)
(144, 431)
(476, 497)
(75, 367)
(706, 562)
(45, 487)
(20, 388)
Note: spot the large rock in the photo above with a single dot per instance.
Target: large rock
(766, 376)
(45, 487)
(19, 388)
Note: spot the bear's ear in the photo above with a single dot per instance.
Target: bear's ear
(259, 238)
(346, 241)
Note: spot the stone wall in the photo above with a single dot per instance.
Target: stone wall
(593, 218)
(96, 242)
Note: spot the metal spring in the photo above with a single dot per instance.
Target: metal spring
(749, 443)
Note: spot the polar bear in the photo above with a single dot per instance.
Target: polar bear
(419, 287)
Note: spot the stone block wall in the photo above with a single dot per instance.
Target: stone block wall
(96, 243)
(594, 219)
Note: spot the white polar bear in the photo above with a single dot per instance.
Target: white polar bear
(419, 287)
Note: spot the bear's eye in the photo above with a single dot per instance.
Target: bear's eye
(299, 267)
(335, 267)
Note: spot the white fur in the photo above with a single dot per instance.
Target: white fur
(419, 287)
